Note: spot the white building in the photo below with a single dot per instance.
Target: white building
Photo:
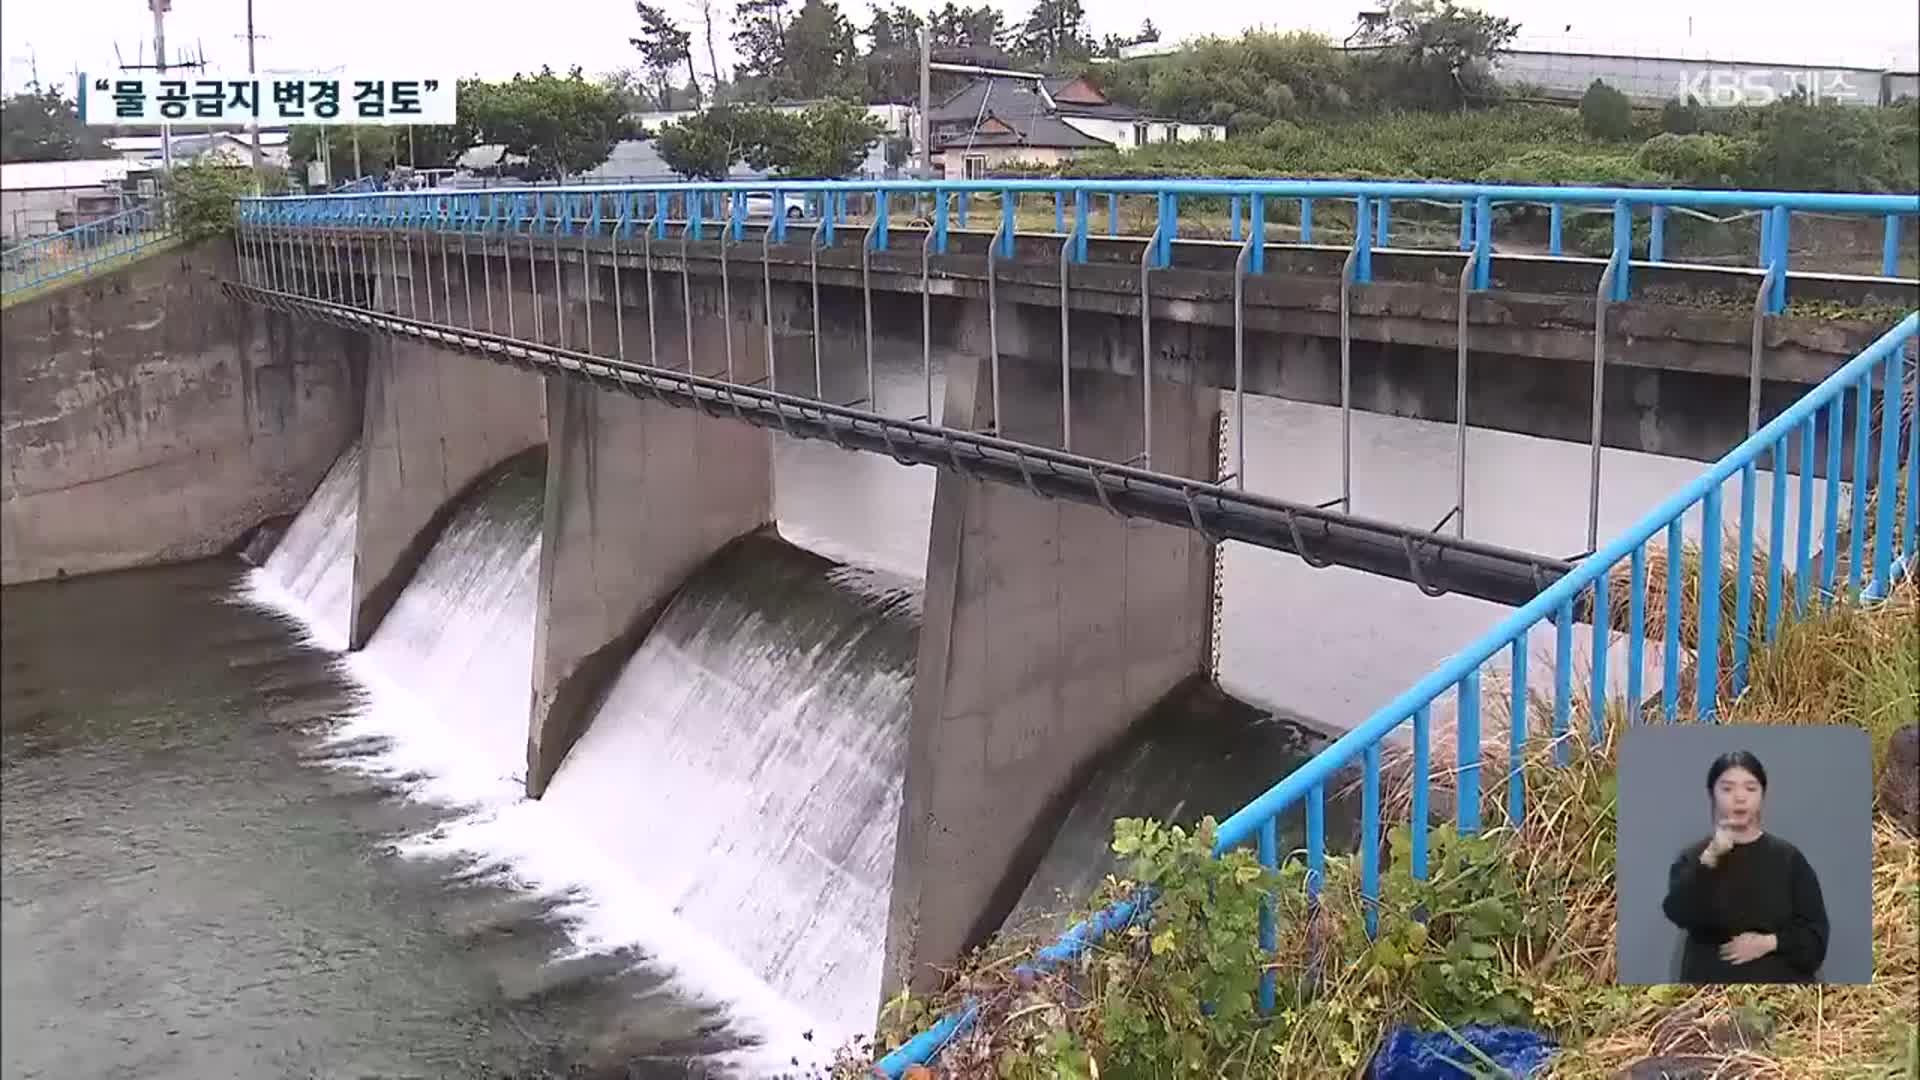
(993, 122)
(39, 198)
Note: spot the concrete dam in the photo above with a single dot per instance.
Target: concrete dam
(800, 722)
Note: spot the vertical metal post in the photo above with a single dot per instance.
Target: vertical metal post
(619, 302)
(1460, 406)
(1362, 239)
(1483, 242)
(766, 288)
(1066, 350)
(1600, 300)
(866, 304)
(1556, 223)
(686, 278)
(646, 256)
(813, 266)
(1657, 236)
(993, 315)
(559, 291)
(1890, 248)
(1240, 266)
(1759, 344)
(466, 276)
(1347, 271)
(446, 275)
(533, 281)
(926, 314)
(1257, 232)
(1782, 218)
(1306, 221)
(726, 286)
(1622, 247)
(1146, 341)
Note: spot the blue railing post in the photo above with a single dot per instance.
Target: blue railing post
(1059, 211)
(966, 200)
(1363, 238)
(1622, 247)
(1597, 686)
(1419, 815)
(1765, 258)
(1517, 724)
(829, 218)
(1169, 227)
(1234, 226)
(1890, 248)
(1743, 580)
(778, 211)
(1080, 215)
(1269, 855)
(940, 204)
(1467, 755)
(1562, 679)
(1370, 836)
(1707, 650)
(1384, 226)
(1306, 221)
(737, 214)
(1556, 227)
(1778, 236)
(1657, 237)
(1466, 225)
(881, 212)
(1113, 214)
(1258, 229)
(696, 215)
(1482, 243)
(1008, 203)
(1886, 479)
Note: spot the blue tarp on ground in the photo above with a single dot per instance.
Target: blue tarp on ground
(1418, 1055)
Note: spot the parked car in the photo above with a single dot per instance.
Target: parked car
(760, 205)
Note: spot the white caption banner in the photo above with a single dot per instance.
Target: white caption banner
(188, 99)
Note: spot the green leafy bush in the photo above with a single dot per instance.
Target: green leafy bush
(1605, 113)
(1712, 161)
(201, 196)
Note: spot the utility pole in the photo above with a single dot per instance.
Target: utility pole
(926, 102)
(160, 9)
(259, 167)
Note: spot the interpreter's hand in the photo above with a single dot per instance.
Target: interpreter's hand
(1720, 844)
(1746, 948)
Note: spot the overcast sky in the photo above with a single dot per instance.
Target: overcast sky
(462, 37)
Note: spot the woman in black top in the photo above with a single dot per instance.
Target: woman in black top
(1749, 901)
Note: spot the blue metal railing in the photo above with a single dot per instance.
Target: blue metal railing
(1879, 463)
(75, 251)
(1074, 204)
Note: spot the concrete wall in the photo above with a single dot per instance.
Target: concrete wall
(1049, 629)
(149, 419)
(434, 423)
(639, 494)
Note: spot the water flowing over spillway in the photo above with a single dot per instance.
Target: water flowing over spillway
(728, 814)
(750, 757)
(312, 565)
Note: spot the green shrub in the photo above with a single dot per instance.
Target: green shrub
(1605, 112)
(202, 196)
(1696, 160)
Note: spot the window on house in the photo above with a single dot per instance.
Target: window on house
(1140, 134)
(1206, 134)
(1173, 132)
(974, 166)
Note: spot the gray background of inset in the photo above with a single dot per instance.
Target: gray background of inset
(1819, 798)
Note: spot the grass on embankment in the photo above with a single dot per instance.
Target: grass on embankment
(1520, 926)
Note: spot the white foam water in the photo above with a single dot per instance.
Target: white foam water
(446, 696)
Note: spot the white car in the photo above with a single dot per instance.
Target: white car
(760, 205)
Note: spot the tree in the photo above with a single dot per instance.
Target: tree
(1054, 34)
(826, 142)
(663, 46)
(380, 148)
(43, 125)
(759, 36)
(820, 58)
(1605, 113)
(893, 54)
(1439, 53)
(559, 125)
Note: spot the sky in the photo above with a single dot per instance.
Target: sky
(495, 39)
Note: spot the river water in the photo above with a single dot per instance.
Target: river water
(230, 851)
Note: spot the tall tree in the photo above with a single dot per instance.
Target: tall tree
(663, 46)
(759, 36)
(893, 54)
(973, 33)
(1054, 34)
(713, 57)
(820, 58)
(43, 125)
(560, 125)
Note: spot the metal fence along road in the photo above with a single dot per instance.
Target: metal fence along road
(73, 252)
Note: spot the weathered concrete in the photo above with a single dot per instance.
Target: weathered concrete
(1049, 629)
(149, 419)
(639, 495)
(435, 422)
(1678, 355)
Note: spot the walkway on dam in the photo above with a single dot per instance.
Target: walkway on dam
(1145, 308)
